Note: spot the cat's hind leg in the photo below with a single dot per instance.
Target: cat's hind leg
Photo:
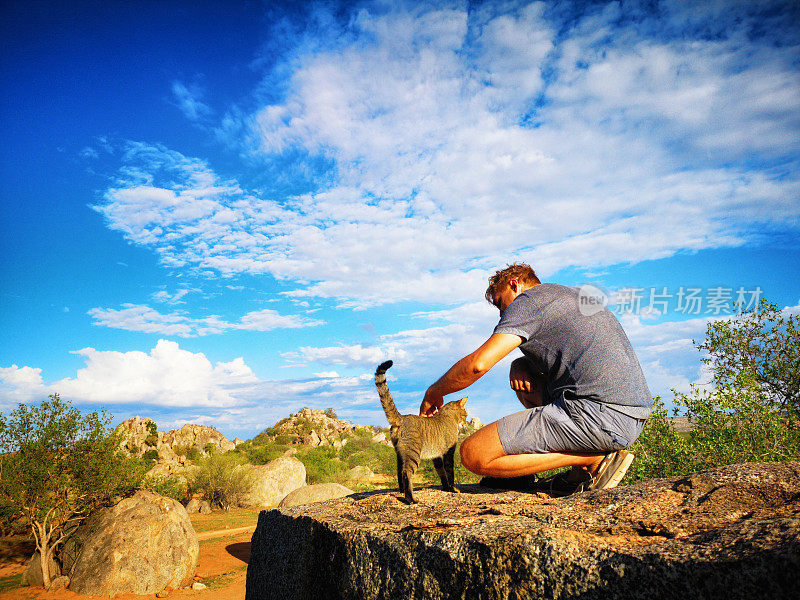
(410, 463)
(401, 486)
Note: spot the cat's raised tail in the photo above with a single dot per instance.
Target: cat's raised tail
(392, 414)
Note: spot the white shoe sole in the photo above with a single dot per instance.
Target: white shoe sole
(613, 471)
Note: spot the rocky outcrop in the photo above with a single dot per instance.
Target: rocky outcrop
(317, 428)
(139, 435)
(142, 545)
(319, 492)
(274, 480)
(727, 533)
(197, 436)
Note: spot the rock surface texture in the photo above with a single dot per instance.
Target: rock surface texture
(141, 545)
(731, 532)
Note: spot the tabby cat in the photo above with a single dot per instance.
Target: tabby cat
(416, 437)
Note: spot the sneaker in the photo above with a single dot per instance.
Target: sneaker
(611, 470)
(560, 485)
(523, 483)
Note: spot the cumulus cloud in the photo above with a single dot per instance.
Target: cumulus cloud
(456, 141)
(175, 386)
(133, 317)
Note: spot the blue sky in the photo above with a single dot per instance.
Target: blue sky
(222, 212)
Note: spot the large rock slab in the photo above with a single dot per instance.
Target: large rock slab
(142, 545)
(274, 480)
(319, 492)
(728, 533)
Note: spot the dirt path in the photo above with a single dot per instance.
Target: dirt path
(208, 535)
(224, 554)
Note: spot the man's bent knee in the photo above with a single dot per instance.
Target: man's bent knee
(480, 448)
(471, 456)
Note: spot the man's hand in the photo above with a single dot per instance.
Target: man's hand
(468, 370)
(520, 378)
(431, 403)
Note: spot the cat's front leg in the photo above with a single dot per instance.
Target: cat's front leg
(447, 480)
(449, 469)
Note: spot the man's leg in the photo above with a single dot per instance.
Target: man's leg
(483, 454)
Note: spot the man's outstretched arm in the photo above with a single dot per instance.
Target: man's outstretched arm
(468, 370)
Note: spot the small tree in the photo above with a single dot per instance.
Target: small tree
(761, 346)
(58, 465)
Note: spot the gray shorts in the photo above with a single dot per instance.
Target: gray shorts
(568, 425)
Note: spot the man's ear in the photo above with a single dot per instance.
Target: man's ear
(463, 401)
(513, 285)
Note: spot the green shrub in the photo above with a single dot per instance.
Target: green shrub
(223, 479)
(748, 413)
(210, 447)
(660, 451)
(151, 440)
(180, 449)
(322, 465)
(167, 485)
(284, 439)
(152, 429)
(261, 455)
(151, 455)
(194, 454)
(331, 413)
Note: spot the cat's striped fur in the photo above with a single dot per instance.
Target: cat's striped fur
(415, 437)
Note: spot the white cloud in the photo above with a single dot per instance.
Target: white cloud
(460, 141)
(188, 100)
(133, 317)
(174, 298)
(20, 385)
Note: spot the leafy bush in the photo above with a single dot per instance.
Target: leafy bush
(151, 455)
(748, 415)
(209, 448)
(261, 455)
(331, 413)
(322, 465)
(284, 439)
(361, 450)
(194, 454)
(180, 449)
(152, 429)
(223, 479)
(167, 485)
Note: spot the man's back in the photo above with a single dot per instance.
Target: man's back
(582, 356)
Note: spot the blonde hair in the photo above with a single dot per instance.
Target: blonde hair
(520, 271)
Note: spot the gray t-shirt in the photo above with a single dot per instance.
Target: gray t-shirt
(581, 356)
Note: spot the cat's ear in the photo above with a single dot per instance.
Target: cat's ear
(463, 401)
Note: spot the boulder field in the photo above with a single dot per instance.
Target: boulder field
(728, 533)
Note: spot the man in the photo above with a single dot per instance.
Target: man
(583, 390)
